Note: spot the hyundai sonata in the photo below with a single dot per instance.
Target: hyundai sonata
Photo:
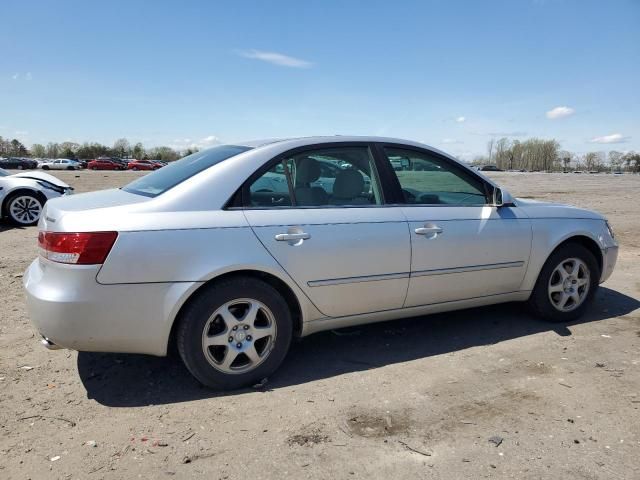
(231, 252)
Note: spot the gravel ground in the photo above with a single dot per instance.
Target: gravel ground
(481, 393)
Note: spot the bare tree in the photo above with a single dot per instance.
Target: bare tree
(490, 145)
(121, 148)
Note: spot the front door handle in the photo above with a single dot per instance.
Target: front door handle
(431, 231)
(292, 237)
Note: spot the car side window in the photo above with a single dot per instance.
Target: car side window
(340, 176)
(427, 179)
(271, 189)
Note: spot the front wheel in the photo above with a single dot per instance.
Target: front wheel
(234, 333)
(24, 209)
(566, 285)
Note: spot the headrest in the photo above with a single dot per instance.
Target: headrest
(307, 171)
(349, 184)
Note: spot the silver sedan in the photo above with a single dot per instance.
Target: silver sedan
(232, 252)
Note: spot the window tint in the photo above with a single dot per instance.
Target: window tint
(324, 177)
(271, 189)
(427, 179)
(176, 172)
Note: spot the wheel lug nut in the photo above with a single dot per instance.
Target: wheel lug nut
(249, 337)
(235, 327)
(230, 339)
(238, 345)
(246, 327)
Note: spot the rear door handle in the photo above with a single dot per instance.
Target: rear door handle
(292, 237)
(432, 231)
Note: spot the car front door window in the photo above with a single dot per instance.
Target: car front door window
(426, 179)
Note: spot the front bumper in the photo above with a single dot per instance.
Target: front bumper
(71, 310)
(609, 259)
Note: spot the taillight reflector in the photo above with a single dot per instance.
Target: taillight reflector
(86, 248)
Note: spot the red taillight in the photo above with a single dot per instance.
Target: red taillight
(79, 248)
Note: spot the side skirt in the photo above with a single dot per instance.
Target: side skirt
(329, 323)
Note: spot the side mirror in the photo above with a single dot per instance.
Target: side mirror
(497, 200)
(501, 198)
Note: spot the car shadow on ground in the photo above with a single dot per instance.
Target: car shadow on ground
(123, 380)
(4, 226)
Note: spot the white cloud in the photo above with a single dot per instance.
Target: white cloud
(28, 76)
(15, 76)
(185, 143)
(613, 138)
(21, 132)
(460, 119)
(560, 112)
(276, 58)
(451, 141)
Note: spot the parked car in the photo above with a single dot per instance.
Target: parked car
(105, 164)
(23, 195)
(143, 165)
(18, 163)
(199, 254)
(61, 164)
(490, 168)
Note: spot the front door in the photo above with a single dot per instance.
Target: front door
(462, 247)
(320, 214)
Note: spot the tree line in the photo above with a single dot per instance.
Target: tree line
(121, 148)
(536, 154)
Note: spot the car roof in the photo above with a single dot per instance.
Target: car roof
(312, 140)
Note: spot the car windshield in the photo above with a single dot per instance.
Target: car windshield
(177, 172)
(4, 173)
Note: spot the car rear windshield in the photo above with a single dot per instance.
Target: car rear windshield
(177, 172)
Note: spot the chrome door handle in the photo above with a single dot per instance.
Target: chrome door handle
(292, 237)
(428, 231)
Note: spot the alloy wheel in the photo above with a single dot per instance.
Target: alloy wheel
(25, 209)
(239, 336)
(569, 284)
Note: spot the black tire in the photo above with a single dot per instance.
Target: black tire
(540, 304)
(45, 167)
(15, 221)
(196, 314)
(70, 168)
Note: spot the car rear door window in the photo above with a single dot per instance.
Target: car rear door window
(426, 179)
(325, 177)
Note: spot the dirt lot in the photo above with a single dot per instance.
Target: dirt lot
(483, 393)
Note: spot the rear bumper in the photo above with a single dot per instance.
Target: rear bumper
(609, 259)
(71, 310)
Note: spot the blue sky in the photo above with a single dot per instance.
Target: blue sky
(452, 74)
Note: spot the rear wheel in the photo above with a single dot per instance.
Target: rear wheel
(45, 167)
(566, 285)
(234, 333)
(24, 209)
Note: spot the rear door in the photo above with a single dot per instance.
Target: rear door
(462, 247)
(329, 228)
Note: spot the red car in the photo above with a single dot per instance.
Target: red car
(143, 165)
(105, 164)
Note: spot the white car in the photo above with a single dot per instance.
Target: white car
(231, 252)
(23, 195)
(61, 164)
